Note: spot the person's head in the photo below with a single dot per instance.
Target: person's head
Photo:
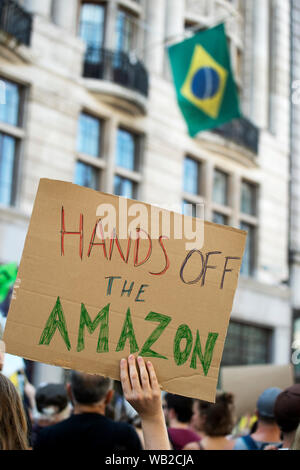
(178, 408)
(214, 419)
(52, 403)
(90, 390)
(13, 424)
(287, 409)
(265, 405)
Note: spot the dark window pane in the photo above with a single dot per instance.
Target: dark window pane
(248, 202)
(124, 31)
(188, 208)
(246, 344)
(220, 189)
(91, 29)
(126, 150)
(191, 176)
(248, 258)
(88, 141)
(7, 163)
(87, 175)
(219, 218)
(9, 111)
(124, 187)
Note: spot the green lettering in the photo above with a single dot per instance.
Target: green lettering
(127, 333)
(85, 320)
(209, 349)
(56, 320)
(164, 320)
(183, 332)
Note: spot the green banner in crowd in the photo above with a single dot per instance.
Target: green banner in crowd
(8, 276)
(205, 87)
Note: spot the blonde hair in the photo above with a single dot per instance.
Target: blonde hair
(13, 424)
(296, 443)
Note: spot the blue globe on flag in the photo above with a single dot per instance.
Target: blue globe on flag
(205, 83)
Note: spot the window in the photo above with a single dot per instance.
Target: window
(221, 211)
(7, 164)
(124, 187)
(10, 138)
(248, 200)
(9, 112)
(247, 344)
(125, 31)
(127, 164)
(91, 29)
(188, 208)
(249, 222)
(247, 267)
(86, 175)
(89, 162)
(219, 218)
(220, 188)
(126, 150)
(192, 188)
(89, 135)
(191, 176)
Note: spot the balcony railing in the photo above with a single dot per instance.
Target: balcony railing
(242, 132)
(15, 21)
(116, 67)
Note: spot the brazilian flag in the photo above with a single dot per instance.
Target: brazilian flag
(8, 276)
(205, 87)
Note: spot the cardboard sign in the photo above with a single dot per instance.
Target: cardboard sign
(87, 296)
(248, 382)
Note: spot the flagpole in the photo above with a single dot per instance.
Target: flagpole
(174, 39)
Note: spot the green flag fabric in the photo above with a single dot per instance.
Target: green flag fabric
(205, 87)
(8, 276)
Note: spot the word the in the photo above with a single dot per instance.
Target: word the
(184, 334)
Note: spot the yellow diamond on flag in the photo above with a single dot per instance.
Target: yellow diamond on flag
(205, 82)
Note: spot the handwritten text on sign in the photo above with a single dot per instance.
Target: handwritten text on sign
(88, 298)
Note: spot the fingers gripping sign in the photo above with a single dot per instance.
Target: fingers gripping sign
(140, 386)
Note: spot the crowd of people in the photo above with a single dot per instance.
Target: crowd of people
(91, 412)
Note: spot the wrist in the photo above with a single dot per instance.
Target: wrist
(153, 417)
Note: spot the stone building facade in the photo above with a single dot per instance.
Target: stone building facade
(89, 99)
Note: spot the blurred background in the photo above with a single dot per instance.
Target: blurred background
(87, 96)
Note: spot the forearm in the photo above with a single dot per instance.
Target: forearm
(155, 433)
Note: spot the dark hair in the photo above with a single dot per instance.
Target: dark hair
(89, 389)
(51, 395)
(218, 416)
(183, 406)
(287, 409)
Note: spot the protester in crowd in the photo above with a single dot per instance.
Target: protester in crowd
(179, 413)
(287, 414)
(52, 406)
(267, 431)
(89, 428)
(215, 421)
(13, 424)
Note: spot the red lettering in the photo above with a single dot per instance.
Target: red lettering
(64, 232)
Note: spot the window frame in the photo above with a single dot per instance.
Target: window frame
(17, 132)
(135, 175)
(98, 162)
(191, 198)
